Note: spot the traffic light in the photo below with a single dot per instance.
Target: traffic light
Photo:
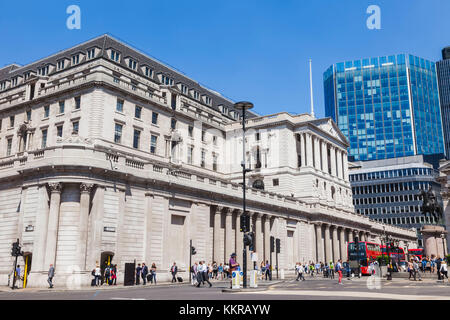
(251, 245)
(193, 252)
(245, 223)
(248, 240)
(278, 246)
(15, 250)
(272, 244)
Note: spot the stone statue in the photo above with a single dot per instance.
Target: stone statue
(430, 204)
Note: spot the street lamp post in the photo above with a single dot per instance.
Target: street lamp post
(244, 106)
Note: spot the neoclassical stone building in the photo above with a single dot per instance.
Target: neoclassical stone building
(109, 154)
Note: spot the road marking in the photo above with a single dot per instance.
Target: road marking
(127, 299)
(373, 295)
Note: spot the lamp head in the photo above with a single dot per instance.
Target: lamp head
(243, 105)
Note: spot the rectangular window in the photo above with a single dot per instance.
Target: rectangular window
(215, 140)
(11, 121)
(9, 147)
(119, 105)
(148, 72)
(44, 139)
(75, 59)
(173, 124)
(191, 131)
(28, 115)
(214, 162)
(61, 107)
(132, 64)
(276, 182)
(91, 53)
(153, 142)
(190, 157)
(154, 118)
(203, 163)
(137, 112)
(118, 133)
(115, 56)
(75, 126)
(203, 135)
(61, 64)
(59, 131)
(136, 138)
(46, 111)
(77, 103)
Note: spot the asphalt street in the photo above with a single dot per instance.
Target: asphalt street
(310, 289)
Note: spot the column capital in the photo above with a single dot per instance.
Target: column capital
(258, 215)
(219, 209)
(228, 211)
(86, 187)
(55, 187)
(238, 212)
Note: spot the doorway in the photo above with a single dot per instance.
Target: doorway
(27, 258)
(106, 260)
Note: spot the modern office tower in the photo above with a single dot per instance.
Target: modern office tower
(443, 72)
(388, 190)
(107, 155)
(386, 106)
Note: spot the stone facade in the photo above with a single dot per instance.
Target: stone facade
(97, 178)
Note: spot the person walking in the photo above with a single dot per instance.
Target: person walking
(268, 271)
(97, 274)
(416, 270)
(153, 272)
(300, 272)
(138, 274)
(144, 273)
(200, 274)
(220, 271)
(215, 270)
(263, 270)
(114, 275)
(173, 271)
(443, 270)
(331, 270)
(438, 266)
(51, 274)
(410, 269)
(107, 275)
(339, 270)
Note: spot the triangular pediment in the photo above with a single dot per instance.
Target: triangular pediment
(331, 128)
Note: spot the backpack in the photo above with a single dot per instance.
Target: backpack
(93, 272)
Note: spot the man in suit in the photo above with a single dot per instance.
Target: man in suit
(138, 273)
(174, 270)
(51, 274)
(144, 273)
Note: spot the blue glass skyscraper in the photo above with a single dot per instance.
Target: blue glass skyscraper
(387, 107)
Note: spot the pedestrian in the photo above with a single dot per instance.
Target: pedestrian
(268, 271)
(200, 279)
(215, 270)
(17, 276)
(144, 273)
(220, 271)
(311, 269)
(331, 270)
(114, 275)
(339, 270)
(233, 266)
(300, 272)
(98, 274)
(410, 269)
(210, 271)
(205, 274)
(107, 275)
(153, 272)
(416, 270)
(263, 269)
(51, 274)
(438, 266)
(443, 270)
(138, 274)
(226, 270)
(173, 271)
(195, 272)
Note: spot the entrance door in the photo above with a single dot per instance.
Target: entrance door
(106, 260)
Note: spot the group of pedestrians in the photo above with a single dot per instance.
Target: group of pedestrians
(109, 275)
(328, 270)
(147, 275)
(202, 272)
(417, 266)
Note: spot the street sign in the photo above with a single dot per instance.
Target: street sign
(235, 283)
(253, 279)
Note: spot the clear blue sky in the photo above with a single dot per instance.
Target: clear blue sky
(254, 50)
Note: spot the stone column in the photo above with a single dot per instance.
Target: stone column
(325, 156)
(328, 253)
(362, 236)
(259, 249)
(342, 245)
(333, 161)
(266, 238)
(316, 152)
(216, 236)
(309, 150)
(302, 148)
(228, 235)
(40, 241)
(53, 222)
(339, 164)
(319, 251)
(350, 235)
(85, 194)
(345, 164)
(239, 238)
(335, 245)
(96, 227)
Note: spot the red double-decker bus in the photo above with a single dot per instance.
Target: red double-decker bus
(416, 252)
(396, 253)
(366, 252)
